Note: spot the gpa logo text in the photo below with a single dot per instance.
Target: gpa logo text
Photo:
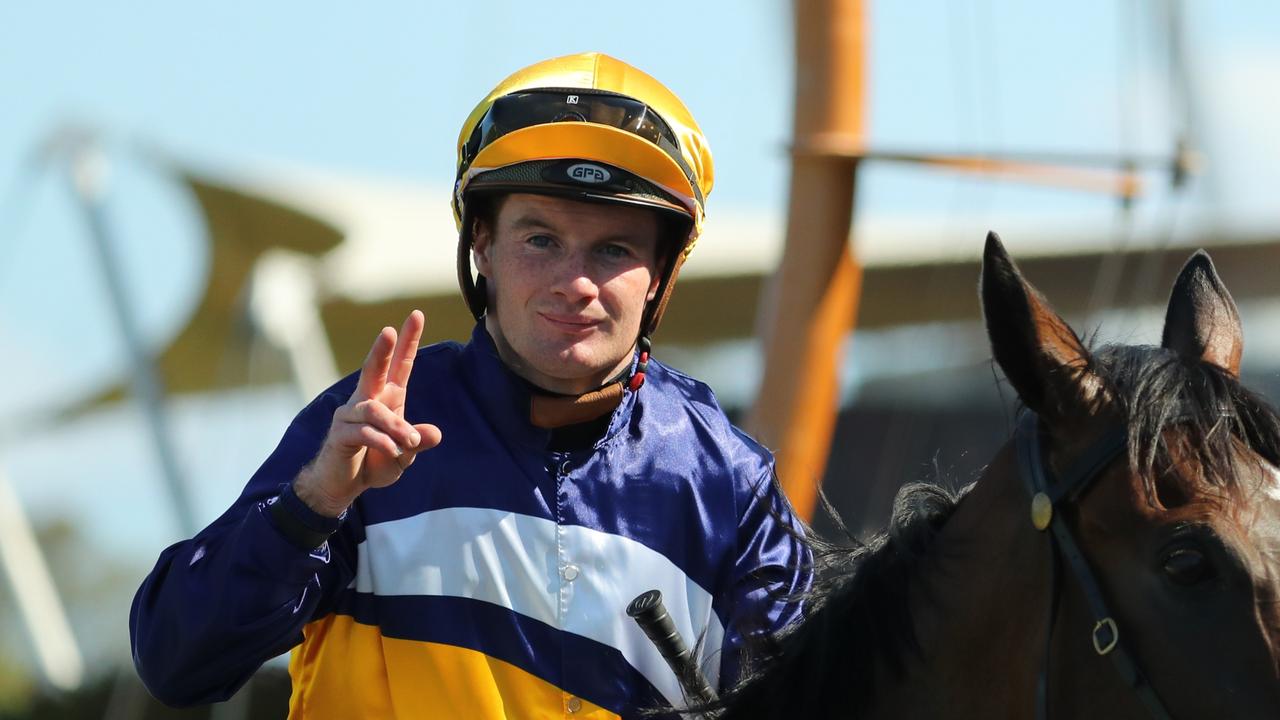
(588, 173)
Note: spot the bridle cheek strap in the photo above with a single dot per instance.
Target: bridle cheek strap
(1046, 498)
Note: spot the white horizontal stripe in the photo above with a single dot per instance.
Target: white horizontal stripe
(516, 561)
(499, 557)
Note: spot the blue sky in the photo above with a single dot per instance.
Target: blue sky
(381, 93)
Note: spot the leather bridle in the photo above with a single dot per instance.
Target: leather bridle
(1046, 498)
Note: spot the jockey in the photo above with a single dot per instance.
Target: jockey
(456, 531)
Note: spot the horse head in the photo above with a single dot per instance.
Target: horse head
(1118, 558)
(1181, 527)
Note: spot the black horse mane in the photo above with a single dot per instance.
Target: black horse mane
(857, 616)
(858, 623)
(1195, 409)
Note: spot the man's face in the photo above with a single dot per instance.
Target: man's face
(568, 283)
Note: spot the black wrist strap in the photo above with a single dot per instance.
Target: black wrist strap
(290, 516)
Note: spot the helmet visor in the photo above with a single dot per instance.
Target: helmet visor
(520, 110)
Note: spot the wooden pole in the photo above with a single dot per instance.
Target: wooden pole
(812, 300)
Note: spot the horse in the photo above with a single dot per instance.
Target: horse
(1119, 557)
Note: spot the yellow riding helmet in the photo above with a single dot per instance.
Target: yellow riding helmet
(587, 127)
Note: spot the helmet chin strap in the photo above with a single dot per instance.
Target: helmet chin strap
(554, 411)
(550, 411)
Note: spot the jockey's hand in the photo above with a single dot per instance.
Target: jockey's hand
(369, 443)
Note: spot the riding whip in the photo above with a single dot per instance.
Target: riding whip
(651, 615)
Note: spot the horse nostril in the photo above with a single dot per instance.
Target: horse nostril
(1187, 566)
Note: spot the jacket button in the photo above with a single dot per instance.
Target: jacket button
(565, 467)
(573, 705)
(570, 572)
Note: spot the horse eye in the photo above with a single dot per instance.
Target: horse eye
(1187, 566)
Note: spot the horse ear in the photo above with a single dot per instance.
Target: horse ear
(1039, 353)
(1202, 323)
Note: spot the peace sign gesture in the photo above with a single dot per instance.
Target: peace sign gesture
(370, 443)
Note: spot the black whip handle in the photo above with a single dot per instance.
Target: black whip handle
(650, 614)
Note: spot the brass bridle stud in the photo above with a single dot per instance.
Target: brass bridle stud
(1041, 511)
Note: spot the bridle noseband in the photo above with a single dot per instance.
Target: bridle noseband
(1046, 498)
